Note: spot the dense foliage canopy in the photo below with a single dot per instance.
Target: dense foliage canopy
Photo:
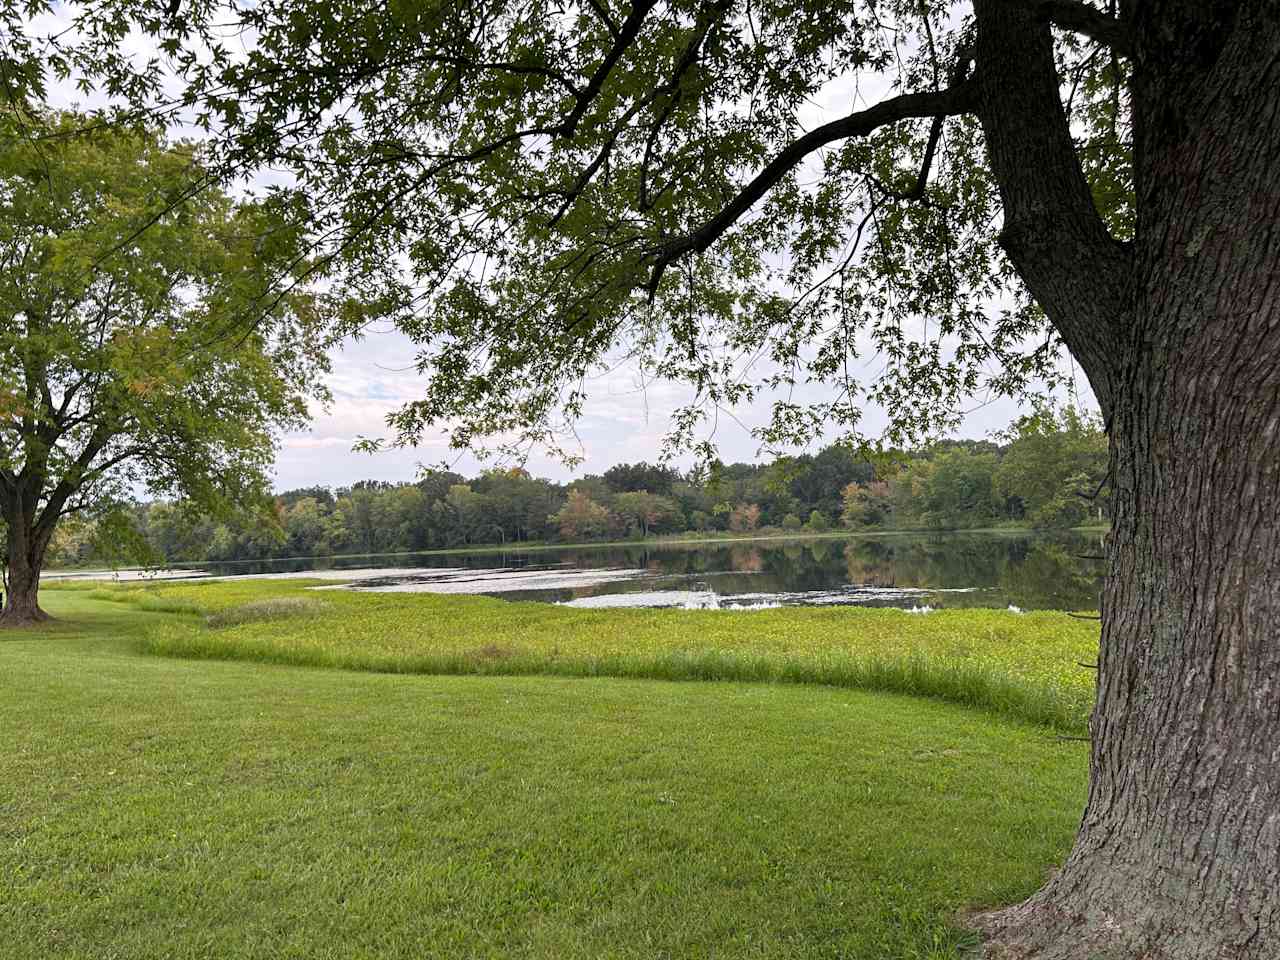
(532, 190)
(751, 196)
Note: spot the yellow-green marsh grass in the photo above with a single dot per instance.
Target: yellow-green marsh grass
(1027, 666)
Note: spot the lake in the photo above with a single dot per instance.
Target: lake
(911, 571)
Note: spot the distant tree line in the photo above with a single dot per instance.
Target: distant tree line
(1044, 472)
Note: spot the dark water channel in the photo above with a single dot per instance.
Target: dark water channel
(911, 571)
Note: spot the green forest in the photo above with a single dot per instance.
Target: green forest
(1044, 472)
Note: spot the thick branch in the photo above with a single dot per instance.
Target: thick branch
(961, 98)
(73, 479)
(687, 60)
(1081, 18)
(1052, 232)
(916, 191)
(626, 36)
(958, 73)
(673, 93)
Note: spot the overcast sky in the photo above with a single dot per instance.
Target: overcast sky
(625, 419)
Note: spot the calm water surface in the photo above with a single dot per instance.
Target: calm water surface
(911, 571)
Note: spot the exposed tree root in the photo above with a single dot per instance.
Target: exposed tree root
(14, 618)
(1033, 931)
(1036, 930)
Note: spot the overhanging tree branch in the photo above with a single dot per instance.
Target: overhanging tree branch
(626, 36)
(605, 18)
(916, 192)
(1082, 18)
(957, 99)
(1052, 231)
(669, 89)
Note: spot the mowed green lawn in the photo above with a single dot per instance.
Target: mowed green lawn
(161, 807)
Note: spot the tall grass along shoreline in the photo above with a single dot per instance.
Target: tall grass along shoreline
(1023, 667)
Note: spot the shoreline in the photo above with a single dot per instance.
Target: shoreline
(676, 540)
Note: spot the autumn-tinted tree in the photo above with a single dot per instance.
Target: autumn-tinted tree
(581, 518)
(534, 186)
(141, 346)
(818, 479)
(744, 517)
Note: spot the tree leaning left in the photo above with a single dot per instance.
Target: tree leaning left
(144, 343)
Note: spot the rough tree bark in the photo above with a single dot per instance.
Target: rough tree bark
(1178, 854)
(26, 548)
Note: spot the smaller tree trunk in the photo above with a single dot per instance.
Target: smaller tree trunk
(22, 589)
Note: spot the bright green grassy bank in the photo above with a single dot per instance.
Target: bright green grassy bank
(1020, 666)
(169, 808)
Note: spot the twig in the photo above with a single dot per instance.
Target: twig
(1094, 496)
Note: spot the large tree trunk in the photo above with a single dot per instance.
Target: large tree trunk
(26, 550)
(1178, 854)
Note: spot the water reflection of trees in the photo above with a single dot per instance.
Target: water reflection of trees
(941, 562)
(1051, 576)
(1032, 572)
